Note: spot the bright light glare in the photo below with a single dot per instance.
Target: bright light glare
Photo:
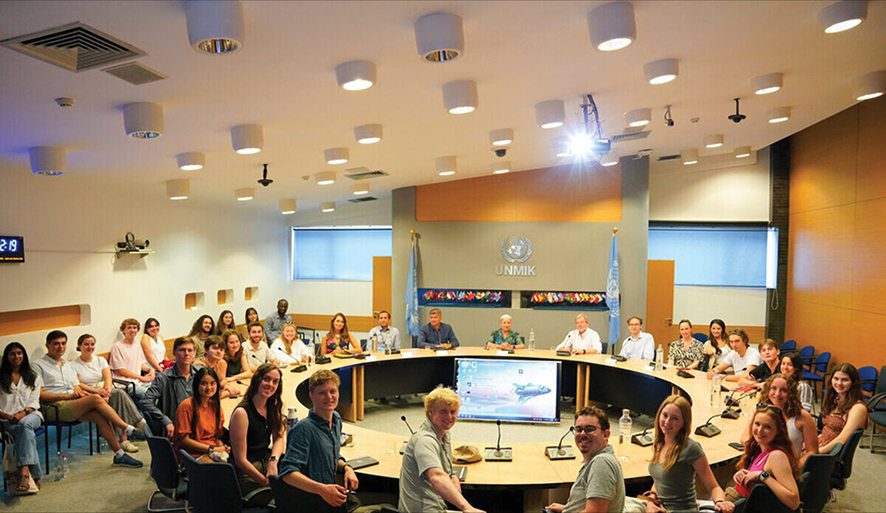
(580, 145)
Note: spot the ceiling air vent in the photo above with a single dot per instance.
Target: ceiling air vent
(631, 136)
(363, 199)
(75, 47)
(366, 175)
(664, 158)
(135, 73)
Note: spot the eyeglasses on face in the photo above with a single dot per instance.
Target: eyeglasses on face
(773, 409)
(586, 429)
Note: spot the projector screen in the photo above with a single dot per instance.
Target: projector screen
(508, 390)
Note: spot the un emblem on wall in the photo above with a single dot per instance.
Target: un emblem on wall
(516, 249)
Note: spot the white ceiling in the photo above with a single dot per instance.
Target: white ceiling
(520, 53)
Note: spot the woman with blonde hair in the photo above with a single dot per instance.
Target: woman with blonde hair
(781, 391)
(287, 348)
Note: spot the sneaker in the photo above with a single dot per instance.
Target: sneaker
(128, 446)
(127, 461)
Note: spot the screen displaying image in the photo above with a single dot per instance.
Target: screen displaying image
(508, 390)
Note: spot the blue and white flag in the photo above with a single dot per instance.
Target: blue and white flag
(612, 294)
(412, 297)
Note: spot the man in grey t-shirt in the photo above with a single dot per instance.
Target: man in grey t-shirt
(600, 485)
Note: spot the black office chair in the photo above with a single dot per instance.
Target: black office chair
(168, 474)
(213, 488)
(843, 465)
(877, 406)
(50, 411)
(290, 498)
(761, 499)
(817, 489)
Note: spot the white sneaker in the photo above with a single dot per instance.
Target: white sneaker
(128, 446)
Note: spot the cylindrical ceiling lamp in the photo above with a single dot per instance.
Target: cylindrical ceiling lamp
(460, 96)
(178, 189)
(287, 206)
(501, 167)
(143, 120)
(215, 28)
(661, 71)
(841, 16)
(360, 188)
(742, 152)
(870, 86)
(247, 139)
(439, 37)
(325, 178)
(638, 117)
(446, 166)
(48, 160)
(550, 114)
(612, 26)
(561, 146)
(501, 136)
(610, 159)
(368, 134)
(244, 194)
(356, 75)
(689, 156)
(336, 155)
(713, 141)
(327, 206)
(766, 84)
(779, 114)
(191, 161)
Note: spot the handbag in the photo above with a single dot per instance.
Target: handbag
(10, 469)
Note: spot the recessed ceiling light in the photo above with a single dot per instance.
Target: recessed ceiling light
(550, 114)
(638, 117)
(742, 152)
(287, 206)
(661, 71)
(766, 84)
(446, 166)
(143, 120)
(360, 188)
(244, 194)
(178, 189)
(841, 16)
(612, 26)
(501, 136)
(368, 134)
(870, 86)
(325, 178)
(327, 206)
(215, 27)
(501, 167)
(247, 139)
(356, 75)
(439, 37)
(779, 114)
(689, 156)
(713, 141)
(336, 155)
(48, 160)
(460, 96)
(610, 159)
(191, 161)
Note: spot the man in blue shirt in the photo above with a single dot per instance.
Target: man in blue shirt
(313, 446)
(274, 322)
(437, 334)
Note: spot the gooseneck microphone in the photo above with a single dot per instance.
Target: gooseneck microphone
(707, 429)
(730, 401)
(403, 418)
(498, 442)
(644, 439)
(499, 453)
(560, 450)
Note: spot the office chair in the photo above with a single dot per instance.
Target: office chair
(843, 465)
(817, 489)
(168, 474)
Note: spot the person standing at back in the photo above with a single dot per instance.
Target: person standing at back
(274, 323)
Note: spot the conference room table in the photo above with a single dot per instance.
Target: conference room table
(589, 378)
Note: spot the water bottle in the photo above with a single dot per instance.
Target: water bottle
(624, 426)
(715, 389)
(57, 472)
(374, 342)
(291, 418)
(531, 340)
(385, 343)
(659, 358)
(65, 468)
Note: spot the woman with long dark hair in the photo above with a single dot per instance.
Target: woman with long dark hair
(842, 409)
(199, 420)
(717, 346)
(20, 407)
(225, 322)
(792, 367)
(250, 316)
(339, 339)
(153, 346)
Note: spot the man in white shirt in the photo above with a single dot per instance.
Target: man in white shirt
(581, 340)
(127, 360)
(388, 336)
(639, 345)
(257, 352)
(742, 359)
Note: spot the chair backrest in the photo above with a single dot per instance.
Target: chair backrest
(789, 345)
(701, 337)
(843, 466)
(868, 376)
(821, 363)
(817, 476)
(807, 351)
(165, 470)
(290, 498)
(761, 498)
(881, 381)
(212, 487)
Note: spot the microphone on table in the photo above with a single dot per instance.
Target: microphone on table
(499, 453)
(644, 439)
(730, 401)
(707, 429)
(558, 452)
(403, 447)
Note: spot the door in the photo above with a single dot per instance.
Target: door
(660, 302)
(381, 284)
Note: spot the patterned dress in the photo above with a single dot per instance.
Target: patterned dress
(683, 357)
(498, 339)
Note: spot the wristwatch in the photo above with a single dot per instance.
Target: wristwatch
(272, 458)
(764, 476)
(211, 448)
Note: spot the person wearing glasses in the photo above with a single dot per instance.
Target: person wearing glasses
(600, 485)
(768, 458)
(782, 392)
(639, 345)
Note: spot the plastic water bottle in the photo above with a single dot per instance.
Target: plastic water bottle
(374, 342)
(65, 468)
(291, 418)
(659, 359)
(57, 472)
(715, 389)
(531, 340)
(624, 426)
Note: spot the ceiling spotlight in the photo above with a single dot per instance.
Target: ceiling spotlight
(327, 206)
(48, 160)
(439, 37)
(779, 114)
(841, 16)
(287, 206)
(178, 189)
(501, 167)
(215, 28)
(460, 96)
(244, 194)
(742, 152)
(143, 120)
(610, 159)
(689, 156)
(446, 166)
(550, 114)
(356, 75)
(612, 26)
(870, 86)
(368, 134)
(325, 178)
(501, 136)
(336, 155)
(191, 161)
(247, 139)
(661, 71)
(360, 188)
(766, 84)
(713, 141)
(638, 117)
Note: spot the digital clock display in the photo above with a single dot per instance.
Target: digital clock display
(12, 248)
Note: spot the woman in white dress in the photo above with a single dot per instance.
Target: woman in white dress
(287, 348)
(153, 346)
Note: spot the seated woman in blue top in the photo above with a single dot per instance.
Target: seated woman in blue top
(339, 339)
(676, 459)
(503, 337)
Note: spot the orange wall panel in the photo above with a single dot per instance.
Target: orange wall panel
(869, 243)
(825, 327)
(820, 256)
(871, 157)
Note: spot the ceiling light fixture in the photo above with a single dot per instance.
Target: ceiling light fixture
(501, 167)
(501, 136)
(325, 178)
(215, 28)
(689, 156)
(550, 114)
(661, 71)
(191, 161)
(287, 206)
(713, 141)
(779, 114)
(612, 26)
(143, 120)
(766, 84)
(178, 189)
(439, 37)
(336, 155)
(327, 206)
(446, 166)
(610, 159)
(244, 194)
(561, 146)
(460, 96)
(870, 86)
(638, 117)
(368, 134)
(742, 152)
(356, 75)
(48, 160)
(247, 139)
(841, 16)
(360, 188)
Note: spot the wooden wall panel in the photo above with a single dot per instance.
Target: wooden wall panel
(871, 157)
(868, 269)
(820, 256)
(825, 327)
(558, 194)
(823, 163)
(39, 319)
